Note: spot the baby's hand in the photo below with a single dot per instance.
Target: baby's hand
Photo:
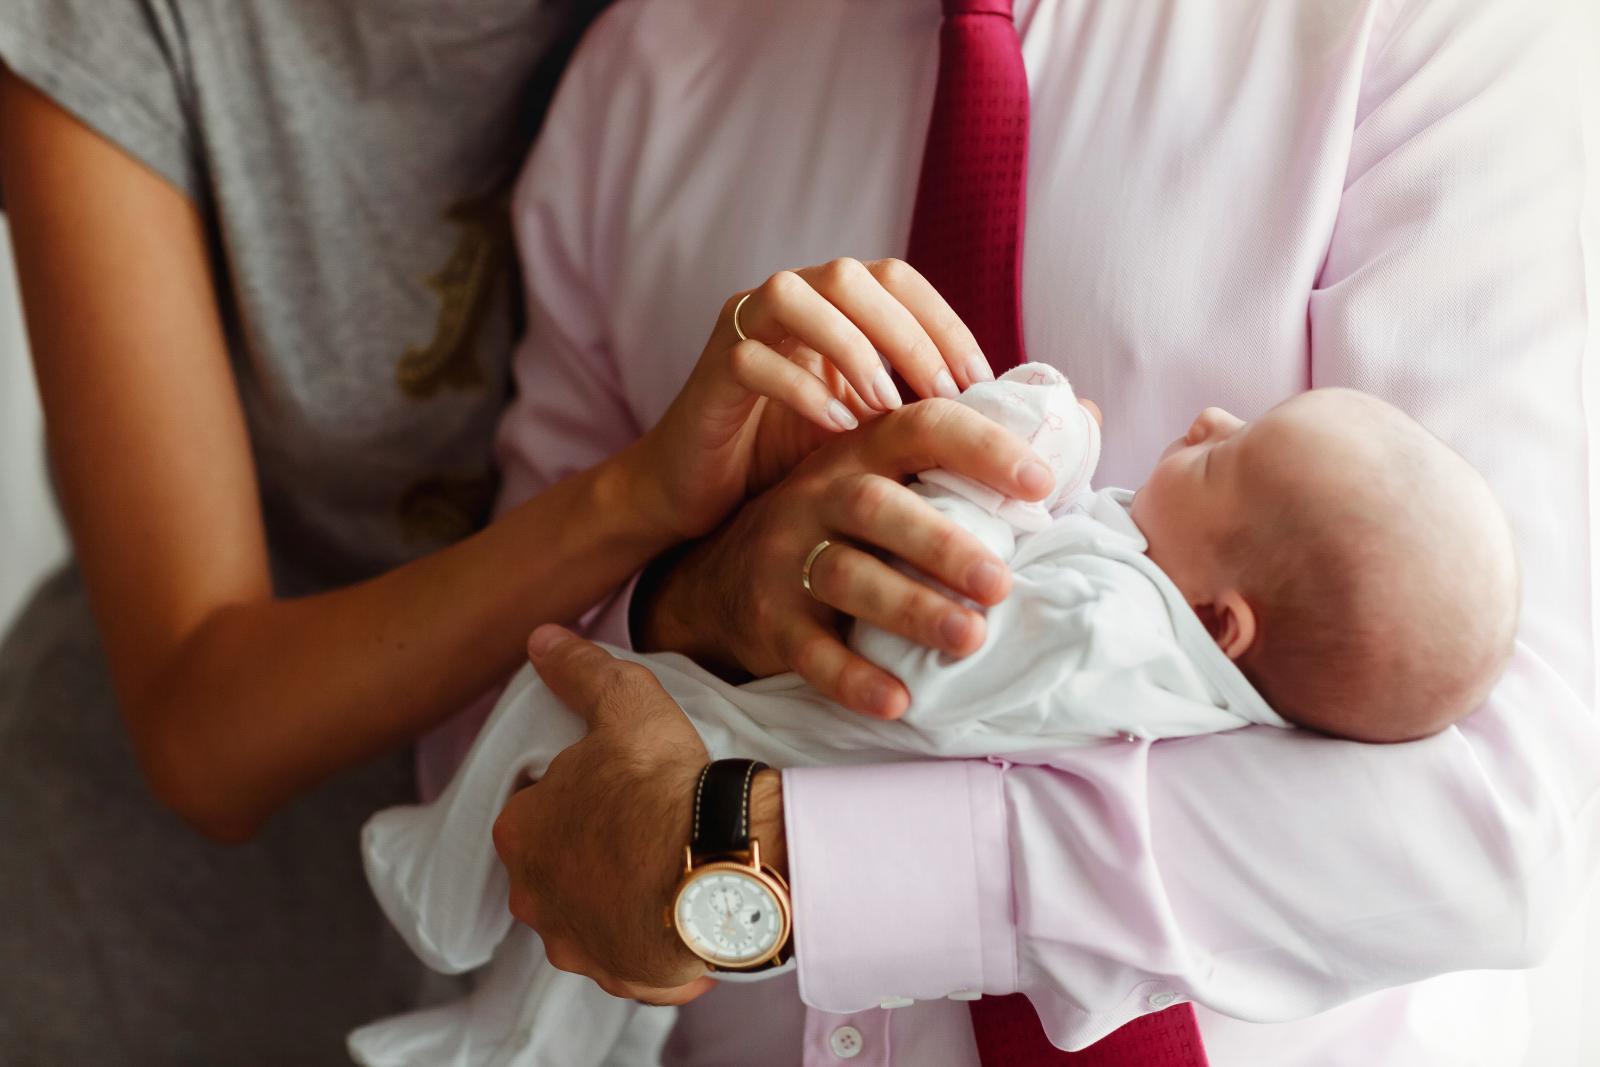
(1094, 410)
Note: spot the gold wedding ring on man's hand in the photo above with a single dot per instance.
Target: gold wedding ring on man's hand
(736, 327)
(805, 568)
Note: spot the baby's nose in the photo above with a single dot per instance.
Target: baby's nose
(1214, 422)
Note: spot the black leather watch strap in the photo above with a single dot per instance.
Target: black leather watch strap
(722, 807)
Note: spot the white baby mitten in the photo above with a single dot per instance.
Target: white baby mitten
(1036, 402)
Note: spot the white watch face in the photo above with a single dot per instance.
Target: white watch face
(729, 918)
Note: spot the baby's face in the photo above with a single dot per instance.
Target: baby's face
(1224, 471)
(1193, 497)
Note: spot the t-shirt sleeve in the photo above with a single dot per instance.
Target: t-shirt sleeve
(118, 66)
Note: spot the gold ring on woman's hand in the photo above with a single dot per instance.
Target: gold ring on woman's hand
(736, 327)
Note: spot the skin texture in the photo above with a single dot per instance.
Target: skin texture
(236, 700)
(1188, 506)
(595, 848)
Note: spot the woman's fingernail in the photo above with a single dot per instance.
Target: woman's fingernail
(945, 386)
(985, 578)
(888, 397)
(1035, 477)
(545, 638)
(978, 370)
(840, 416)
(954, 628)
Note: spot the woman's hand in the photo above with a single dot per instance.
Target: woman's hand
(809, 369)
(594, 850)
(735, 600)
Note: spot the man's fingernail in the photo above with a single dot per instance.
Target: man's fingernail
(881, 697)
(978, 370)
(955, 628)
(945, 386)
(888, 397)
(1035, 477)
(985, 578)
(840, 416)
(545, 638)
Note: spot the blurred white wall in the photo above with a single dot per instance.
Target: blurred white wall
(31, 538)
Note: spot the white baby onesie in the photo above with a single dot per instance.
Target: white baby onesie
(1094, 642)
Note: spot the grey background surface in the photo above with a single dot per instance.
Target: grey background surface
(31, 537)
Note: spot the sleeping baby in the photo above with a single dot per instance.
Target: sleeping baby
(1330, 566)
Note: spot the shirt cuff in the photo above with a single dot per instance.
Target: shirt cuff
(901, 882)
(608, 621)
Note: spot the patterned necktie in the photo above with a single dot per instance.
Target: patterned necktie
(966, 238)
(966, 233)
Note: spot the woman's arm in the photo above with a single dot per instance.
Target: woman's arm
(236, 700)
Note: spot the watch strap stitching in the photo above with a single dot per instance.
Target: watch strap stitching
(720, 822)
(699, 793)
(744, 800)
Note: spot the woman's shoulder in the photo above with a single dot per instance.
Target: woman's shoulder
(118, 66)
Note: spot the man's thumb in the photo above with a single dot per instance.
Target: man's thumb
(582, 675)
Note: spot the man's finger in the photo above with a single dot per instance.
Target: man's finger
(859, 584)
(886, 515)
(669, 997)
(588, 679)
(817, 655)
(945, 434)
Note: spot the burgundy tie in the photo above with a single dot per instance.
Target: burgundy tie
(966, 233)
(966, 238)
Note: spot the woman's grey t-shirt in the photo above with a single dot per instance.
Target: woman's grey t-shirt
(350, 160)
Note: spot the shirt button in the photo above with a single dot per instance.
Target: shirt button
(1162, 1000)
(965, 994)
(896, 1002)
(845, 1042)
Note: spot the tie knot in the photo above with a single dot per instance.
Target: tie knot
(953, 8)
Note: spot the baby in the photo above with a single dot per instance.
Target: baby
(1331, 565)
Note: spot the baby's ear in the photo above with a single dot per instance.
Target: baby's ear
(1231, 622)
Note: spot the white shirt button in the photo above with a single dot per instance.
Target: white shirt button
(1162, 1000)
(845, 1042)
(896, 1002)
(965, 994)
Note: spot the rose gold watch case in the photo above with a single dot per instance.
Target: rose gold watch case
(749, 868)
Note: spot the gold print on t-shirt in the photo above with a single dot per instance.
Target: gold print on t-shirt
(465, 285)
(445, 509)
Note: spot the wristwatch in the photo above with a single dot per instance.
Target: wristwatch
(730, 910)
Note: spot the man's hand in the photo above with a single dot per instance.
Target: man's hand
(594, 849)
(735, 599)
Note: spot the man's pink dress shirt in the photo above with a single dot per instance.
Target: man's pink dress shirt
(1228, 203)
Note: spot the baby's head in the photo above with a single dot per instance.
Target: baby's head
(1359, 572)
